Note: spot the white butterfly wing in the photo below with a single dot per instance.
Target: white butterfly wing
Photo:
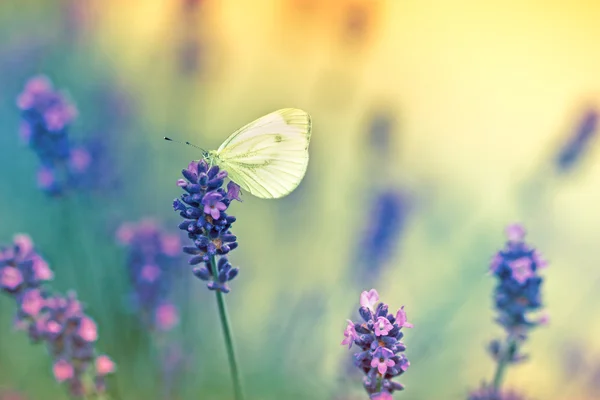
(268, 157)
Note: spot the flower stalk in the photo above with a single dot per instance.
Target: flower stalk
(203, 207)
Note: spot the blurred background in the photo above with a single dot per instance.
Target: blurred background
(435, 125)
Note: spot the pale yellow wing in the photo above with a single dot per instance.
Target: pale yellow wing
(268, 157)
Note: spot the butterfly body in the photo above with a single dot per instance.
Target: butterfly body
(267, 157)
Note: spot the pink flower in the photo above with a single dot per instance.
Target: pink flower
(125, 233)
(41, 270)
(171, 245)
(35, 86)
(10, 278)
(515, 232)
(32, 302)
(24, 243)
(79, 160)
(150, 273)
(539, 260)
(521, 269)
(53, 327)
(404, 363)
(87, 330)
(104, 365)
(213, 204)
(350, 334)
(401, 319)
(544, 319)
(63, 370)
(382, 326)
(382, 360)
(369, 299)
(45, 178)
(166, 316)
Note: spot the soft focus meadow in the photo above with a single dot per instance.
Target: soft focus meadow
(437, 126)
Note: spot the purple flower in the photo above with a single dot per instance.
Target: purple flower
(380, 130)
(382, 326)
(212, 204)
(59, 321)
(401, 319)
(152, 261)
(233, 191)
(203, 207)
(521, 269)
(517, 293)
(369, 299)
(382, 359)
(350, 334)
(21, 268)
(579, 142)
(385, 222)
(379, 338)
(45, 118)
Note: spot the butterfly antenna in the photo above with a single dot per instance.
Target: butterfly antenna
(187, 143)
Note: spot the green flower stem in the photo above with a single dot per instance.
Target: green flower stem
(229, 345)
(504, 360)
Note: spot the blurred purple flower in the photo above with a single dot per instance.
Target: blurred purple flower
(58, 321)
(517, 293)
(379, 338)
(203, 208)
(153, 258)
(385, 224)
(380, 130)
(579, 142)
(45, 118)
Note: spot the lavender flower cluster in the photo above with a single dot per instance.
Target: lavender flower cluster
(152, 259)
(58, 321)
(203, 207)
(517, 292)
(379, 338)
(45, 118)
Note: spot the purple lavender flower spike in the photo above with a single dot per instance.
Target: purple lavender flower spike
(153, 256)
(203, 207)
(45, 118)
(579, 142)
(381, 355)
(59, 321)
(386, 222)
(516, 296)
(518, 290)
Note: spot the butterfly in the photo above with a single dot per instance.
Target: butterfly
(269, 156)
